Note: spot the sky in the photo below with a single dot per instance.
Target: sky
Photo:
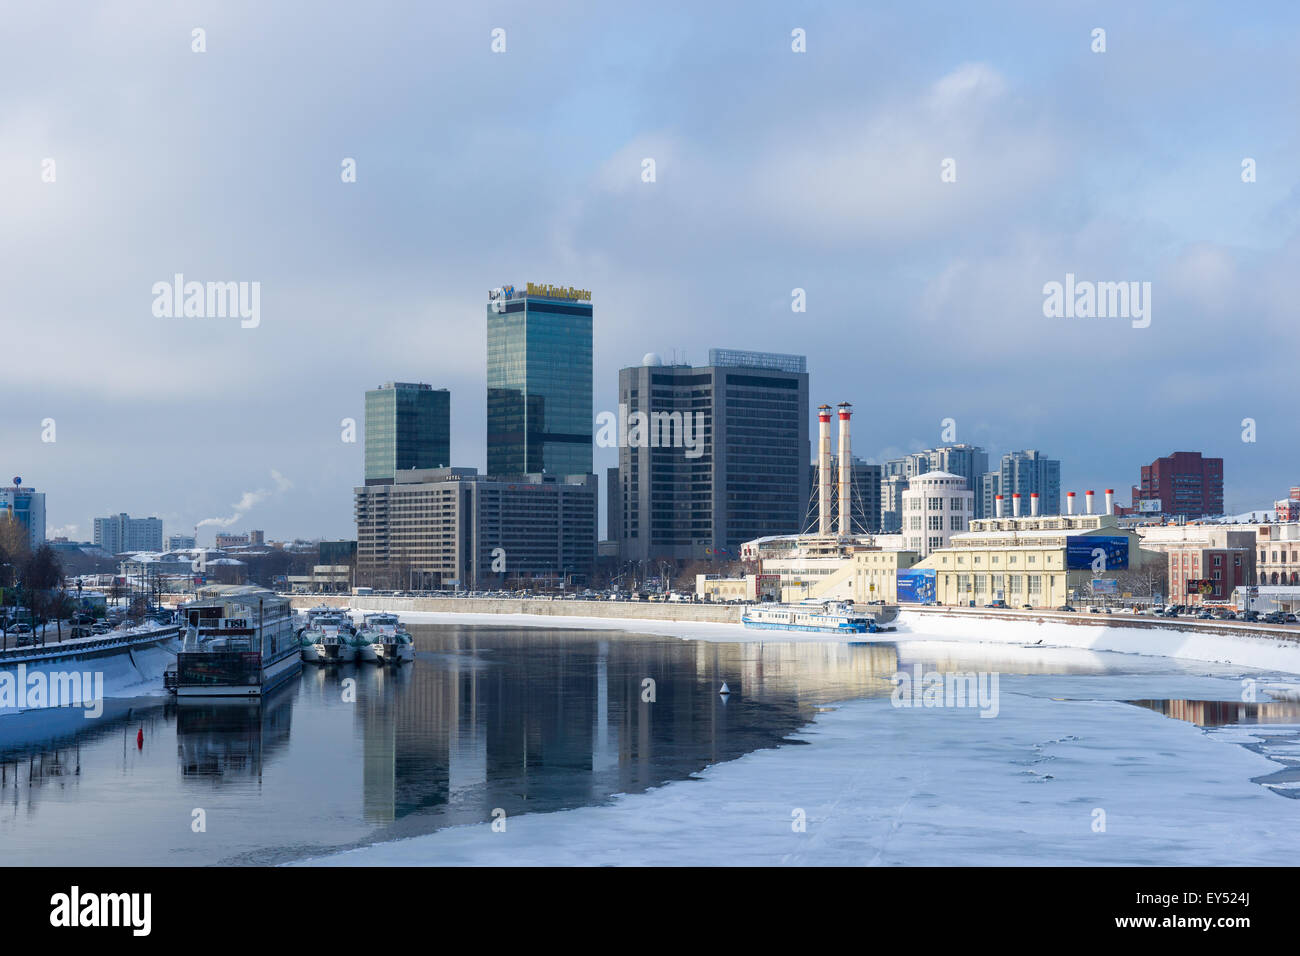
(775, 170)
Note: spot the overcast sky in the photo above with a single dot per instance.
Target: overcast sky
(775, 170)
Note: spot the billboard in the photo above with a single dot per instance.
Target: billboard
(1082, 550)
(1203, 586)
(916, 586)
(1105, 586)
(1149, 506)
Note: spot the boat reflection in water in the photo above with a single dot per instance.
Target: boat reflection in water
(232, 737)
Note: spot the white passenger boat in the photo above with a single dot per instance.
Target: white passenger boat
(238, 641)
(390, 641)
(330, 636)
(830, 617)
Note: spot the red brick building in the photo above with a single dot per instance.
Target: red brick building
(1219, 570)
(1184, 483)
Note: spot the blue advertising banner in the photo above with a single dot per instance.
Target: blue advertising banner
(1079, 552)
(916, 586)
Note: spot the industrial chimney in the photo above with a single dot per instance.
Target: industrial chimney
(1110, 501)
(846, 469)
(997, 505)
(1015, 505)
(824, 469)
(1033, 504)
(1069, 502)
(1087, 501)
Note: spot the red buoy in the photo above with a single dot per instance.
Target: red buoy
(139, 738)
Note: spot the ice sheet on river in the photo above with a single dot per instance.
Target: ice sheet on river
(882, 785)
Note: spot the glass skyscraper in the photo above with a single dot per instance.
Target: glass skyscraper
(539, 381)
(407, 426)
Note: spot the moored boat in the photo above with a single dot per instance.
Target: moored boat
(238, 641)
(830, 617)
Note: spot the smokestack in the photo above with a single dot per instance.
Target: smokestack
(824, 469)
(1110, 501)
(997, 505)
(1069, 502)
(1015, 505)
(1087, 501)
(1033, 504)
(846, 468)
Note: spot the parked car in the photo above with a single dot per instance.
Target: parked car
(1205, 616)
(1066, 607)
(997, 604)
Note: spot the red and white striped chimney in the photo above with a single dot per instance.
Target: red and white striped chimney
(1015, 505)
(1033, 504)
(1110, 501)
(1087, 501)
(823, 470)
(997, 505)
(1069, 502)
(846, 469)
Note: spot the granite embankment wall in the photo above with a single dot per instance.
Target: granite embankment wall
(612, 610)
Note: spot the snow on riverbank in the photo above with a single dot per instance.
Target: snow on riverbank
(1256, 652)
(882, 785)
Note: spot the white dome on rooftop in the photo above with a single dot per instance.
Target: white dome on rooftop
(652, 359)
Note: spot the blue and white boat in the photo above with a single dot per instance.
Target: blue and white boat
(831, 617)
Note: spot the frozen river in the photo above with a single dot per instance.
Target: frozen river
(509, 744)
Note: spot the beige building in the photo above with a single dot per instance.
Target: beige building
(875, 574)
(1023, 560)
(751, 587)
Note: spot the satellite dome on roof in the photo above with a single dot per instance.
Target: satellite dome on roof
(652, 359)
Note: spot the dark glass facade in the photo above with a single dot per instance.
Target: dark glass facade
(407, 426)
(539, 384)
(747, 476)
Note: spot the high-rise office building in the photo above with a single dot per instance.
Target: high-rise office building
(408, 425)
(1025, 472)
(1184, 483)
(27, 507)
(969, 461)
(454, 528)
(539, 381)
(120, 532)
(712, 456)
(891, 503)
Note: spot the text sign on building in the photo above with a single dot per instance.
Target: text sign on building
(559, 292)
(1080, 552)
(1149, 506)
(916, 586)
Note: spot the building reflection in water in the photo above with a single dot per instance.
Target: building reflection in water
(221, 739)
(1222, 713)
(533, 720)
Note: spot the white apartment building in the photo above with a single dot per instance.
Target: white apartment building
(936, 505)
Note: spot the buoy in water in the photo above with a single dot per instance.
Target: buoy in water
(139, 739)
(725, 689)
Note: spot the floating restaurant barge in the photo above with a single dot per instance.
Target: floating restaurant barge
(238, 641)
